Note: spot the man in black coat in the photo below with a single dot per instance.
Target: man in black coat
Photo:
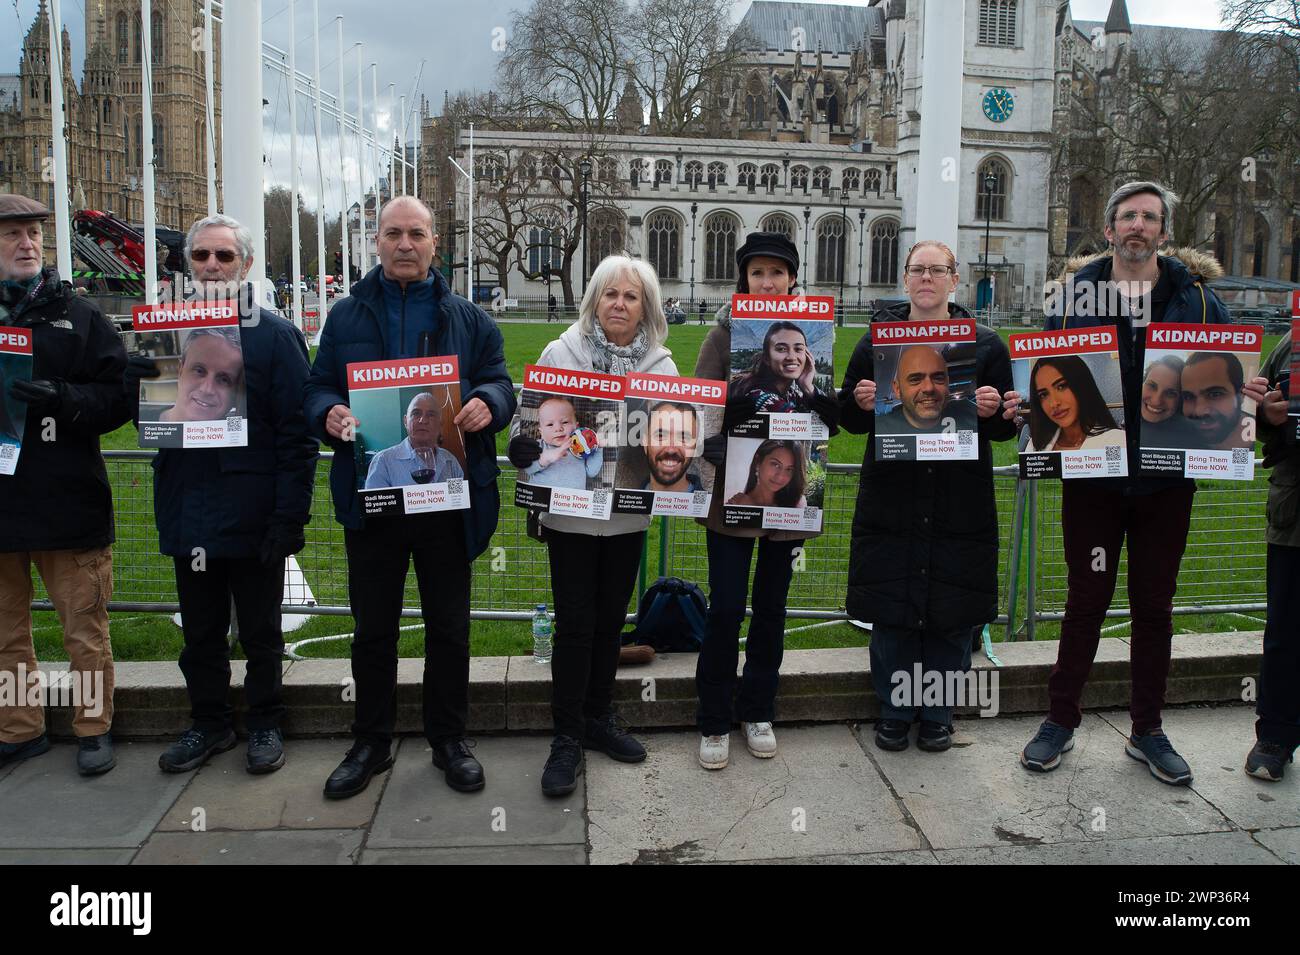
(230, 517)
(404, 309)
(56, 510)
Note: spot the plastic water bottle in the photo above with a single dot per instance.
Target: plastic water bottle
(542, 631)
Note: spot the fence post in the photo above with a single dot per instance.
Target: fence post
(1031, 606)
(1013, 573)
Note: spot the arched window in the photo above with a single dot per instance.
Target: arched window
(755, 109)
(832, 233)
(492, 169)
(123, 40)
(606, 234)
(545, 243)
(1260, 260)
(663, 244)
(747, 175)
(607, 169)
(717, 174)
(139, 40)
(200, 146)
(1222, 231)
(694, 173)
(720, 247)
(637, 171)
(884, 252)
(770, 177)
(821, 179)
(799, 178)
(108, 111)
(992, 203)
(833, 109)
(779, 223)
(851, 181)
(159, 152)
(156, 39)
(872, 182)
(663, 171)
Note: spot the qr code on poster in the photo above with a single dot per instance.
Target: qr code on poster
(965, 439)
(599, 498)
(234, 424)
(1241, 457)
(455, 486)
(1113, 453)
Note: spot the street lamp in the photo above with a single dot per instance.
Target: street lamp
(785, 173)
(807, 217)
(679, 165)
(451, 244)
(862, 227)
(844, 234)
(695, 207)
(585, 167)
(990, 181)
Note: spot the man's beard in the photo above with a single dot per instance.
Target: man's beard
(1225, 427)
(1135, 255)
(673, 458)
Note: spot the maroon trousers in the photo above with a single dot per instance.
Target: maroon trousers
(1094, 523)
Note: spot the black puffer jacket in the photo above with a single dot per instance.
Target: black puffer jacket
(59, 498)
(924, 551)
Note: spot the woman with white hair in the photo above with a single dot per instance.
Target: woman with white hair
(620, 329)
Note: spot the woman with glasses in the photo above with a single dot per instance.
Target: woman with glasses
(924, 548)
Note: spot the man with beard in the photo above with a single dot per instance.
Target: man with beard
(1151, 514)
(669, 443)
(921, 383)
(419, 454)
(1212, 393)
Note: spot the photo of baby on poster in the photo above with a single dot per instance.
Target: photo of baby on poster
(410, 455)
(15, 365)
(1195, 420)
(1072, 403)
(576, 419)
(925, 391)
(199, 399)
(667, 420)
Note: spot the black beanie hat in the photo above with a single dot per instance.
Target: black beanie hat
(768, 243)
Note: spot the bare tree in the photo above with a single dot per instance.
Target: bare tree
(681, 48)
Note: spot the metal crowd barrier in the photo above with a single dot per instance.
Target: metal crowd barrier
(1223, 569)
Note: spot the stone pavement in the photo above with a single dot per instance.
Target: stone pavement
(828, 796)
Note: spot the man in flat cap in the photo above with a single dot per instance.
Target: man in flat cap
(56, 510)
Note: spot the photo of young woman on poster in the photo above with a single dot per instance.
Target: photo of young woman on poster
(777, 476)
(1066, 409)
(781, 376)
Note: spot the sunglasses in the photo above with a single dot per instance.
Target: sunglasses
(224, 256)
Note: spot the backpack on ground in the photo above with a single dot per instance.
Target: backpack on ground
(671, 616)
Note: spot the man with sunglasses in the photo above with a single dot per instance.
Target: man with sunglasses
(1127, 288)
(230, 517)
(56, 510)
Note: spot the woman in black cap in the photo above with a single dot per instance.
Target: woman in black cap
(768, 264)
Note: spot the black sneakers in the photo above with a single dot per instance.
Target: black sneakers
(565, 765)
(1043, 753)
(16, 752)
(265, 751)
(1268, 760)
(1158, 753)
(193, 749)
(607, 736)
(95, 754)
(934, 737)
(892, 734)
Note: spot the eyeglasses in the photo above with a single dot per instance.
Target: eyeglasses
(1148, 218)
(936, 271)
(224, 256)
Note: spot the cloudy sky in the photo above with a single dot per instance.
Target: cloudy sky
(454, 38)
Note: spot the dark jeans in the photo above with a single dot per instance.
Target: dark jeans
(205, 596)
(1278, 706)
(894, 650)
(592, 579)
(1156, 527)
(715, 671)
(378, 557)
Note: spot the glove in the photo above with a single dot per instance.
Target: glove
(41, 393)
(714, 450)
(280, 541)
(522, 451)
(137, 367)
(826, 408)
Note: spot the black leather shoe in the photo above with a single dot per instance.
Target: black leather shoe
(462, 771)
(934, 737)
(892, 734)
(14, 752)
(607, 736)
(265, 751)
(353, 775)
(565, 765)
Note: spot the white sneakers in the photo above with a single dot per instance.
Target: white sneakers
(759, 738)
(714, 750)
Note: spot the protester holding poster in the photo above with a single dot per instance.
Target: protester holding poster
(767, 265)
(578, 380)
(15, 365)
(403, 309)
(1126, 292)
(1210, 431)
(924, 553)
(1277, 728)
(56, 508)
(229, 514)
(926, 410)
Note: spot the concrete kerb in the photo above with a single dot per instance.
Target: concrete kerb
(828, 685)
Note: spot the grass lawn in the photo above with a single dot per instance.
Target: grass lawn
(1225, 552)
